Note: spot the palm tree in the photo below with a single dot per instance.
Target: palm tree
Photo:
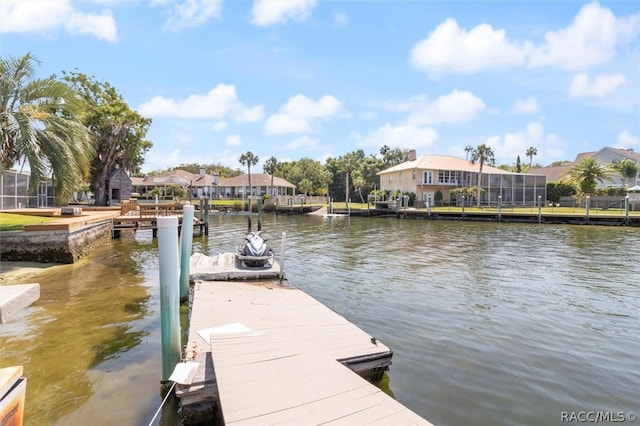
(40, 125)
(586, 175)
(482, 154)
(627, 169)
(270, 167)
(467, 149)
(531, 152)
(249, 159)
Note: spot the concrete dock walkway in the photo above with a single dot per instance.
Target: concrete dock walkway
(273, 354)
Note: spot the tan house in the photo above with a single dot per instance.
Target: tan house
(429, 175)
(606, 155)
(238, 186)
(197, 185)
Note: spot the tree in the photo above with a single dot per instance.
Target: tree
(468, 150)
(482, 154)
(519, 165)
(40, 125)
(586, 175)
(270, 167)
(118, 132)
(249, 159)
(358, 183)
(393, 157)
(531, 152)
(627, 169)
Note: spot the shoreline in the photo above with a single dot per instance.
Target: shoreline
(13, 271)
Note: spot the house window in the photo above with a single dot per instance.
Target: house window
(427, 178)
(448, 177)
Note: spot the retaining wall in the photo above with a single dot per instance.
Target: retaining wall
(54, 246)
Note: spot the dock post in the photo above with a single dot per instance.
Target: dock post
(282, 245)
(499, 208)
(260, 214)
(626, 210)
(169, 297)
(206, 216)
(186, 242)
(540, 209)
(588, 206)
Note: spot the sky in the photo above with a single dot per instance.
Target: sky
(318, 79)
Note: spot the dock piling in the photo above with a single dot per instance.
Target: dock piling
(186, 242)
(169, 297)
(282, 246)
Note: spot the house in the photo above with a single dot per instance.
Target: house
(119, 186)
(238, 186)
(197, 185)
(431, 175)
(606, 155)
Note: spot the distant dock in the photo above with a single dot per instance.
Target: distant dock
(269, 353)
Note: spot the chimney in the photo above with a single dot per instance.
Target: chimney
(412, 155)
(201, 172)
(216, 179)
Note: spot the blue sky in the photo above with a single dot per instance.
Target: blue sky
(307, 78)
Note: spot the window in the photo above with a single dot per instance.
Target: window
(448, 177)
(427, 178)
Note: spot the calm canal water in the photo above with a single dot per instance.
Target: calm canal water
(490, 323)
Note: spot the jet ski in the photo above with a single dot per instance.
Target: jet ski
(255, 252)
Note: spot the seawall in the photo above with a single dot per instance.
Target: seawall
(54, 246)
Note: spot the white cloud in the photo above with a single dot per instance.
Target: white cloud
(246, 115)
(269, 12)
(525, 106)
(190, 13)
(233, 140)
(508, 147)
(220, 126)
(304, 141)
(627, 140)
(590, 40)
(451, 48)
(219, 102)
(455, 107)
(296, 115)
(38, 16)
(404, 136)
(601, 86)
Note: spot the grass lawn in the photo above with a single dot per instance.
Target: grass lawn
(16, 222)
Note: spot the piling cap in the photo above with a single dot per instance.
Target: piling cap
(188, 207)
(167, 222)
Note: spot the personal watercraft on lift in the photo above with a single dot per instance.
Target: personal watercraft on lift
(255, 252)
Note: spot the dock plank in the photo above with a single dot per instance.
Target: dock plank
(275, 350)
(277, 377)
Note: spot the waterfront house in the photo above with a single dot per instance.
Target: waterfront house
(433, 177)
(238, 186)
(606, 155)
(196, 185)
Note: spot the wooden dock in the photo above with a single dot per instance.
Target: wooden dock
(137, 217)
(269, 353)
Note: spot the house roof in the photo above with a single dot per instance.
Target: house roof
(443, 162)
(553, 173)
(178, 176)
(258, 179)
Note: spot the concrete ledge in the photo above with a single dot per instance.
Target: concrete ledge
(14, 298)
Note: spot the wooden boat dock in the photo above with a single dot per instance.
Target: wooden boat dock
(271, 354)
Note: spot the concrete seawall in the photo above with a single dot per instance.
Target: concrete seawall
(57, 246)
